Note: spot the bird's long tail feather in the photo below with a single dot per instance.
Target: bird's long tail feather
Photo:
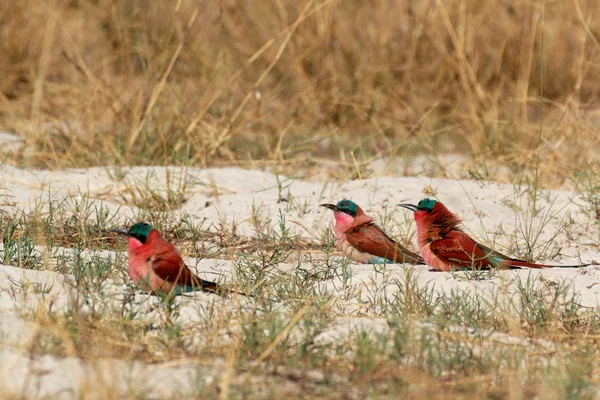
(517, 263)
(405, 255)
(213, 287)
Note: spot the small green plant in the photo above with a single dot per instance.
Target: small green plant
(157, 194)
(18, 248)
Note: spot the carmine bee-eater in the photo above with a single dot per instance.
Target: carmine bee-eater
(156, 266)
(445, 246)
(359, 238)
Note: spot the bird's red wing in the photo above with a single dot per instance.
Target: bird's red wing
(166, 262)
(460, 250)
(169, 266)
(369, 238)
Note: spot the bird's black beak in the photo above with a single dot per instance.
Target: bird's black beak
(122, 231)
(331, 207)
(411, 207)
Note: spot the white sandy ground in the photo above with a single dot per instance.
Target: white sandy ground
(490, 212)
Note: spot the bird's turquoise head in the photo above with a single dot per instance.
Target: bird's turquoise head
(345, 206)
(139, 231)
(348, 207)
(424, 205)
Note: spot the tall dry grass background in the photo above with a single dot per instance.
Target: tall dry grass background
(246, 83)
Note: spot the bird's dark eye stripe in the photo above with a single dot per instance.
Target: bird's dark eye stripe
(139, 237)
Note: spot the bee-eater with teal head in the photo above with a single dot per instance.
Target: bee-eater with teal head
(445, 246)
(156, 266)
(359, 238)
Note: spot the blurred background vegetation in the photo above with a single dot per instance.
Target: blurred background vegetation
(301, 83)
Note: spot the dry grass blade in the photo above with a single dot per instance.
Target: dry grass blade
(416, 78)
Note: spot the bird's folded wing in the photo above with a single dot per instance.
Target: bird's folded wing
(371, 239)
(460, 249)
(169, 266)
